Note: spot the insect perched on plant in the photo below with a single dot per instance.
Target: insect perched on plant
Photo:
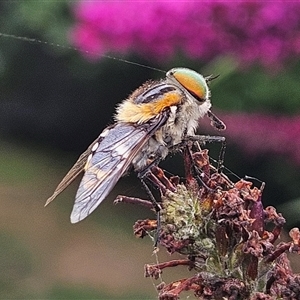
(152, 121)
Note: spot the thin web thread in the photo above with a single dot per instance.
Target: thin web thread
(37, 41)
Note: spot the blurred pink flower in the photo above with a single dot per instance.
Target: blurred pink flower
(264, 134)
(265, 32)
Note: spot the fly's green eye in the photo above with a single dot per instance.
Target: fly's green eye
(192, 81)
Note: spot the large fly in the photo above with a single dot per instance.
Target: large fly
(152, 121)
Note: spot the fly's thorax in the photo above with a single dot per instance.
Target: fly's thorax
(153, 92)
(148, 101)
(182, 121)
(184, 94)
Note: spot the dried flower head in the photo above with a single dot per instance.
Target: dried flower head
(219, 227)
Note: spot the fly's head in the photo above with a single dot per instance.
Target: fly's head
(195, 88)
(193, 85)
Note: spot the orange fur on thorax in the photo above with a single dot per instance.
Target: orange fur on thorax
(130, 112)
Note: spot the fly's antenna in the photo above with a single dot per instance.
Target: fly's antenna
(211, 78)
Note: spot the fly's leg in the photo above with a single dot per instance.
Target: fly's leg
(163, 181)
(156, 176)
(192, 169)
(221, 157)
(157, 208)
(195, 140)
(133, 200)
(203, 139)
(196, 162)
(155, 204)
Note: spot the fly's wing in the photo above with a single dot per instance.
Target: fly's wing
(108, 161)
(77, 168)
(106, 164)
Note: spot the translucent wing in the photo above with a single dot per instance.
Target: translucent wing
(108, 162)
(77, 168)
(105, 161)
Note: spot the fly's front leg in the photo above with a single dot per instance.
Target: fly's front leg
(221, 157)
(193, 171)
(203, 139)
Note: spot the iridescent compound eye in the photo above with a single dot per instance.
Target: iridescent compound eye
(190, 80)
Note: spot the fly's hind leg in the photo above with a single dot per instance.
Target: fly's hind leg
(156, 177)
(157, 208)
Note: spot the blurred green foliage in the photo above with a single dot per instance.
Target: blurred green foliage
(75, 293)
(15, 263)
(258, 90)
(47, 19)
